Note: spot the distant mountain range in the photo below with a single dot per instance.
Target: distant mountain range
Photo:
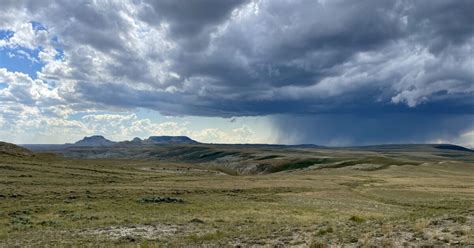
(101, 141)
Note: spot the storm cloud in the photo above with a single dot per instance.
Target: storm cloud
(380, 128)
(332, 69)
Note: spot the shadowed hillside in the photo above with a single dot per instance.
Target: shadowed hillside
(8, 149)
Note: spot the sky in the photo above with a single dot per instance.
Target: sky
(327, 72)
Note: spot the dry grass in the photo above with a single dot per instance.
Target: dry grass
(48, 201)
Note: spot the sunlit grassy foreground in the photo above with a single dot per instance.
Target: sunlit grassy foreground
(51, 201)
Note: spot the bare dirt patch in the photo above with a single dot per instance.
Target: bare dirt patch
(148, 232)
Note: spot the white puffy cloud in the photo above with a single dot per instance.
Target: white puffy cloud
(25, 36)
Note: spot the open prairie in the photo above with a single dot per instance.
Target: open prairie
(293, 196)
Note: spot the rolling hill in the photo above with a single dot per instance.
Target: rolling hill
(8, 149)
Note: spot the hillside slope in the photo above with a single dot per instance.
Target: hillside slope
(8, 149)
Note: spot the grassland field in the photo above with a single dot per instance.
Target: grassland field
(380, 197)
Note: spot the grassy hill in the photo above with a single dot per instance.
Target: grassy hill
(8, 149)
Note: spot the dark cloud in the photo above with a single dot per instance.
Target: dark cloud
(350, 129)
(442, 23)
(305, 57)
(403, 62)
(188, 19)
(83, 22)
(190, 23)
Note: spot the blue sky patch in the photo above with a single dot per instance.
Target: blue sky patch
(3, 85)
(60, 54)
(6, 34)
(21, 60)
(37, 26)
